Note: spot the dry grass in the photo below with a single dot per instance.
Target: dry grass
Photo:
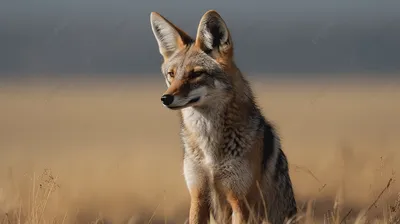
(86, 152)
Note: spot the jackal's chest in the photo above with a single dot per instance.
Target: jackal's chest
(202, 136)
(211, 155)
(202, 147)
(207, 161)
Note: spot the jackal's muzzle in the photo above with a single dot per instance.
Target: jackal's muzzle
(176, 102)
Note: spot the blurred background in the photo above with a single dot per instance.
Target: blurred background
(84, 137)
(284, 39)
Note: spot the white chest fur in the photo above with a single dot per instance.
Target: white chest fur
(220, 166)
(206, 130)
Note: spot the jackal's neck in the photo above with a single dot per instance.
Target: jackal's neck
(234, 113)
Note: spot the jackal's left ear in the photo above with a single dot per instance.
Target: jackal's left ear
(169, 37)
(213, 34)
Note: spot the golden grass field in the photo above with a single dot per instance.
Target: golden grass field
(91, 150)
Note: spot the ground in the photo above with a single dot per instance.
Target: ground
(81, 150)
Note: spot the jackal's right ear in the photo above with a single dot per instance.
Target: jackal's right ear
(169, 37)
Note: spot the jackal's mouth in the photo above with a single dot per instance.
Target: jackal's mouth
(192, 101)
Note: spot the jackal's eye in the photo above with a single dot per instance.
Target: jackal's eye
(170, 74)
(196, 74)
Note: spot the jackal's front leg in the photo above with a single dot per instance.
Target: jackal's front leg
(196, 182)
(240, 213)
(199, 207)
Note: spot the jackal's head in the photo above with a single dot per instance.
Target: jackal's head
(196, 70)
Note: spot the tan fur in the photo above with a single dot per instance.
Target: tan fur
(199, 208)
(176, 88)
(232, 158)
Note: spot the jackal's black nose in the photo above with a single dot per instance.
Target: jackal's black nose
(167, 99)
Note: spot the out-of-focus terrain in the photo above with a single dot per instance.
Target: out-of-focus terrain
(87, 149)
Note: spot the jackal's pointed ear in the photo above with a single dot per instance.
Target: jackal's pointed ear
(169, 37)
(213, 34)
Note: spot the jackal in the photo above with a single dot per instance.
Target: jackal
(233, 163)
